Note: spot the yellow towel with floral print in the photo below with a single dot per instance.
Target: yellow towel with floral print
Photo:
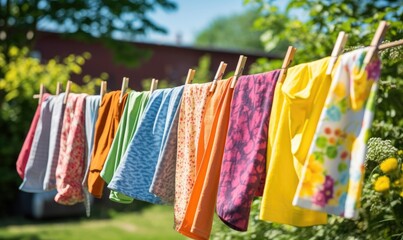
(297, 106)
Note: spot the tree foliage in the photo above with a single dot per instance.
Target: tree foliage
(232, 32)
(312, 26)
(20, 82)
(95, 20)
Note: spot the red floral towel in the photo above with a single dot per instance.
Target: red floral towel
(70, 167)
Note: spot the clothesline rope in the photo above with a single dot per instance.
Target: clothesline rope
(381, 47)
(391, 44)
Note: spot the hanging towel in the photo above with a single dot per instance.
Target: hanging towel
(163, 184)
(333, 174)
(71, 163)
(91, 115)
(136, 169)
(297, 105)
(189, 125)
(198, 218)
(36, 165)
(26, 147)
(49, 182)
(244, 163)
(190, 113)
(132, 113)
(106, 126)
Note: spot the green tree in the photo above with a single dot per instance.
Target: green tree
(85, 20)
(312, 26)
(232, 32)
(20, 82)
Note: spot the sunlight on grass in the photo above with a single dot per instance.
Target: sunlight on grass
(155, 222)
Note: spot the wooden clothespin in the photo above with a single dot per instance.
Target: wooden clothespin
(125, 84)
(58, 88)
(239, 69)
(42, 91)
(66, 95)
(190, 76)
(337, 50)
(289, 56)
(376, 40)
(103, 89)
(219, 74)
(153, 83)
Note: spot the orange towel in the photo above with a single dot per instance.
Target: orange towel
(199, 214)
(106, 126)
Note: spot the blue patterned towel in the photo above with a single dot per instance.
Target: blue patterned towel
(135, 173)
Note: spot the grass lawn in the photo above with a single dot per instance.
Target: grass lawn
(155, 222)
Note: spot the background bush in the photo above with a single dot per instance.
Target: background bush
(19, 80)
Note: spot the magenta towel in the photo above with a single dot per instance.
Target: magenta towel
(26, 147)
(244, 162)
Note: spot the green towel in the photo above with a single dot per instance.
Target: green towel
(134, 108)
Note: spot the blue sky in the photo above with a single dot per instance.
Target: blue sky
(191, 17)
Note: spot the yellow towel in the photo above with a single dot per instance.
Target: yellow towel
(297, 106)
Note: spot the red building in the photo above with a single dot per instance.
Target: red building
(166, 62)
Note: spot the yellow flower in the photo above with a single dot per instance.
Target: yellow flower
(313, 175)
(361, 88)
(13, 51)
(316, 169)
(388, 165)
(401, 194)
(340, 90)
(307, 189)
(399, 182)
(400, 152)
(382, 184)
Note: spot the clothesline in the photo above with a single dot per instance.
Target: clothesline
(381, 47)
(133, 158)
(103, 87)
(299, 146)
(391, 44)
